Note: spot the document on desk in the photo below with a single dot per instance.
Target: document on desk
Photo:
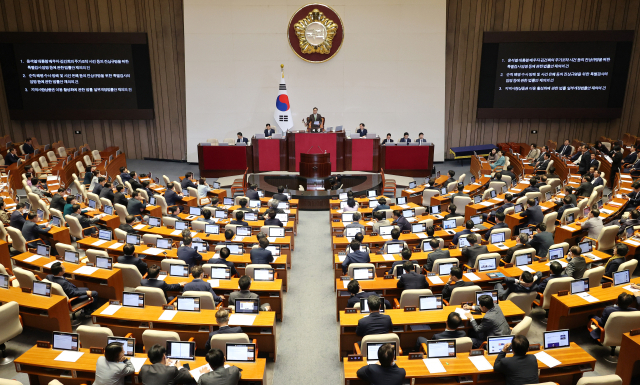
(342, 257)
(412, 220)
(387, 237)
(345, 283)
(369, 223)
(238, 238)
(497, 200)
(632, 243)
(153, 251)
(515, 189)
(99, 242)
(69, 356)
(435, 280)
(501, 246)
(137, 362)
(472, 276)
(85, 270)
(546, 359)
(161, 277)
(48, 265)
(421, 235)
(526, 268)
(272, 239)
(197, 372)
(615, 203)
(591, 256)
(561, 262)
(176, 232)
(486, 204)
(626, 189)
(139, 227)
(340, 211)
(405, 206)
(167, 315)
(568, 228)
(481, 363)
(242, 319)
(388, 257)
(629, 288)
(587, 297)
(33, 258)
(434, 365)
(214, 282)
(606, 211)
(110, 310)
(410, 191)
(461, 311)
(115, 245)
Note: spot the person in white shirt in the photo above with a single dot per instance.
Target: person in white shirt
(593, 224)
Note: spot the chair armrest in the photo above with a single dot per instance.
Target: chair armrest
(356, 348)
(129, 335)
(423, 346)
(483, 345)
(594, 322)
(20, 319)
(37, 239)
(173, 300)
(191, 339)
(396, 303)
(72, 309)
(607, 278)
(255, 341)
(467, 267)
(445, 302)
(540, 302)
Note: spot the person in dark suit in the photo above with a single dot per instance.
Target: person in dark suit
(452, 212)
(541, 240)
(405, 138)
(493, 323)
(400, 221)
(57, 201)
(585, 161)
(524, 284)
(128, 225)
(269, 131)
(386, 371)
(632, 220)
(239, 219)
(577, 264)
(499, 219)
(355, 256)
(261, 255)
(544, 150)
(451, 179)
(357, 293)
(421, 138)
(243, 206)
(468, 226)
(545, 162)
(16, 220)
(556, 272)
(171, 196)
(455, 281)
(620, 251)
(521, 243)
(27, 147)
(124, 174)
(241, 139)
(135, 205)
(134, 182)
(436, 254)
(187, 181)
(632, 157)
(315, 121)
(565, 150)
(382, 205)
(85, 221)
(280, 196)
(552, 173)
(222, 319)
(510, 173)
(119, 197)
(586, 188)
(616, 162)
(531, 188)
(188, 254)
(574, 158)
(152, 281)
(375, 323)
(388, 139)
(361, 131)
(222, 260)
(99, 186)
(159, 372)
(130, 259)
(472, 252)
(410, 279)
(520, 369)
(88, 175)
(460, 192)
(533, 213)
(451, 330)
(71, 290)
(272, 220)
(252, 192)
(197, 284)
(31, 230)
(597, 179)
(11, 157)
(634, 197)
(625, 302)
(107, 192)
(219, 374)
(406, 256)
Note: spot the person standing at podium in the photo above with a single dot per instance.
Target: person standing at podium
(405, 138)
(269, 131)
(362, 131)
(242, 139)
(388, 140)
(315, 121)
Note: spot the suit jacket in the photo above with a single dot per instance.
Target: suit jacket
(403, 224)
(58, 202)
(281, 197)
(133, 260)
(449, 334)
(434, 255)
(355, 257)
(17, 220)
(69, 288)
(381, 207)
(594, 163)
(120, 198)
(564, 150)
(190, 256)
(576, 267)
(493, 324)
(162, 374)
(452, 215)
(412, 280)
(128, 228)
(574, 199)
(407, 140)
(612, 265)
(375, 323)
(171, 197)
(362, 132)
(125, 176)
(543, 165)
(585, 161)
(509, 173)
(456, 236)
(108, 194)
(610, 310)
(273, 222)
(354, 299)
(243, 140)
(533, 214)
(242, 294)
(135, 184)
(631, 158)
(498, 226)
(153, 282)
(200, 285)
(517, 370)
(552, 176)
(512, 250)
(387, 141)
(221, 376)
(269, 132)
(379, 375)
(221, 330)
(31, 231)
(541, 242)
(28, 149)
(597, 182)
(252, 194)
(97, 189)
(594, 226)
(472, 252)
(261, 256)
(447, 290)
(634, 199)
(10, 159)
(311, 121)
(585, 189)
(616, 162)
(220, 261)
(135, 207)
(84, 221)
(187, 183)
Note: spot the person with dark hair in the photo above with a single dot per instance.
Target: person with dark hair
(375, 323)
(81, 294)
(451, 330)
(356, 223)
(197, 284)
(4, 216)
(128, 225)
(27, 146)
(280, 196)
(405, 138)
(406, 256)
(593, 224)
(357, 293)
(239, 219)
(222, 260)
(152, 281)
(577, 264)
(244, 283)
(119, 197)
(107, 192)
(134, 181)
(520, 369)
(355, 256)
(173, 211)
(472, 251)
(160, 372)
(135, 206)
(411, 279)
(493, 323)
(565, 149)
(551, 174)
(451, 179)
(533, 213)
(272, 220)
(436, 254)
(188, 254)
(395, 238)
(85, 222)
(222, 319)
(522, 242)
(542, 240)
(228, 236)
(219, 374)
(620, 251)
(130, 259)
(261, 255)
(16, 220)
(625, 303)
(379, 219)
(382, 204)
(269, 131)
(187, 181)
(499, 219)
(386, 371)
(68, 208)
(401, 221)
(542, 165)
(352, 205)
(556, 272)
(455, 281)
(171, 196)
(242, 139)
(124, 174)
(206, 218)
(566, 204)
(361, 131)
(252, 192)
(31, 230)
(11, 157)
(524, 284)
(387, 139)
(460, 192)
(243, 206)
(452, 212)
(468, 226)
(113, 367)
(98, 187)
(57, 202)
(95, 179)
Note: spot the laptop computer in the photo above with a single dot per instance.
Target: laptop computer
(449, 224)
(128, 345)
(496, 344)
(188, 303)
(65, 341)
(250, 216)
(178, 270)
(220, 272)
(104, 235)
(278, 232)
(181, 350)
(524, 259)
(43, 250)
(430, 302)
(248, 306)
(487, 264)
(445, 268)
(133, 239)
(180, 225)
(364, 306)
(71, 256)
(621, 278)
(237, 352)
(556, 339)
(274, 249)
(441, 349)
(372, 350)
(364, 273)
(212, 229)
(579, 286)
(4, 281)
(104, 263)
(497, 238)
(155, 222)
(401, 201)
(556, 253)
(108, 210)
(492, 293)
(243, 231)
(463, 242)
(235, 249)
(132, 299)
(585, 247)
(264, 274)
(394, 248)
(164, 243)
(42, 288)
(477, 222)
(385, 230)
(418, 228)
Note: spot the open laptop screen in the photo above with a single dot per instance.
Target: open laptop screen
(128, 344)
(430, 302)
(265, 274)
(365, 273)
(579, 285)
(557, 253)
(445, 268)
(372, 350)
(497, 237)
(492, 293)
(441, 349)
(496, 344)
(248, 306)
(556, 339)
(188, 304)
(449, 224)
(133, 299)
(221, 273)
(42, 288)
(179, 270)
(181, 350)
(487, 264)
(621, 277)
(241, 352)
(65, 341)
(71, 256)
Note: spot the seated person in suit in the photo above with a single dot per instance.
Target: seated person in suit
(625, 303)
(430, 184)
(451, 179)
(552, 173)
(493, 323)
(239, 219)
(187, 181)
(222, 319)
(586, 188)
(577, 264)
(197, 284)
(565, 149)
(382, 205)
(436, 254)
(119, 197)
(107, 192)
(450, 332)
(71, 290)
(633, 219)
(152, 281)
(532, 152)
(379, 219)
(545, 162)
(351, 206)
(171, 196)
(27, 147)
(499, 220)
(188, 254)
(566, 204)
(130, 259)
(222, 260)
(315, 121)
(460, 192)
(16, 220)
(85, 222)
(522, 368)
(510, 173)
(452, 212)
(395, 238)
(531, 188)
(161, 371)
(406, 256)
(357, 293)
(500, 162)
(541, 240)
(597, 179)
(455, 281)
(620, 251)
(206, 218)
(375, 323)
(219, 374)
(244, 283)
(135, 206)
(524, 284)
(533, 213)
(556, 272)
(410, 279)
(355, 256)
(634, 168)
(32, 231)
(468, 226)
(124, 174)
(128, 226)
(361, 131)
(68, 207)
(386, 371)
(269, 131)
(522, 241)
(388, 139)
(97, 188)
(401, 221)
(243, 206)
(634, 198)
(11, 157)
(593, 224)
(405, 138)
(421, 138)
(272, 220)
(261, 255)
(242, 139)
(173, 212)
(497, 177)
(280, 196)
(472, 251)
(252, 192)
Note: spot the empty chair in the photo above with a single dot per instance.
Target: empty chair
(170, 222)
(75, 229)
(487, 193)
(523, 300)
(553, 287)
(131, 276)
(611, 379)
(629, 265)
(92, 254)
(121, 235)
(158, 337)
(607, 238)
(166, 263)
(464, 294)
(24, 277)
(160, 201)
(522, 328)
(153, 296)
(452, 186)
(61, 248)
(411, 297)
(426, 196)
(220, 341)
(595, 275)
(461, 178)
(11, 327)
(91, 336)
(550, 221)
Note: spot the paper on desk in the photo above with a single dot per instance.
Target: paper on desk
(615, 203)
(466, 191)
(153, 251)
(421, 235)
(625, 176)
(472, 276)
(33, 258)
(569, 228)
(480, 362)
(526, 268)
(410, 191)
(115, 245)
(98, 242)
(420, 327)
(546, 359)
(167, 315)
(633, 243)
(475, 230)
(238, 238)
(525, 182)
(48, 265)
(434, 365)
(388, 257)
(52, 177)
(138, 362)
(591, 256)
(138, 227)
(111, 309)
(461, 311)
(197, 372)
(628, 287)
(214, 282)
(340, 211)
(405, 206)
(369, 223)
(561, 262)
(272, 239)
(587, 297)
(486, 204)
(497, 200)
(516, 189)
(501, 246)
(69, 356)
(625, 189)
(161, 277)
(386, 237)
(176, 232)
(606, 211)
(412, 220)
(242, 319)
(435, 280)
(345, 284)
(86, 270)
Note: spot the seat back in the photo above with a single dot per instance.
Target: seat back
(427, 222)
(544, 190)
(523, 300)
(553, 182)
(464, 294)
(553, 287)
(58, 213)
(24, 277)
(360, 265)
(461, 178)
(93, 253)
(550, 221)
(426, 196)
(464, 345)
(522, 328)
(52, 157)
(80, 166)
(437, 262)
(378, 338)
(122, 213)
(249, 270)
(534, 195)
(19, 243)
(166, 263)
(160, 201)
(131, 276)
(56, 289)
(177, 187)
(171, 222)
(158, 337)
(607, 238)
(237, 199)
(581, 205)
(411, 297)
(198, 226)
(495, 185)
(121, 235)
(74, 227)
(506, 179)
(520, 252)
(611, 379)
(495, 256)
(93, 337)
(629, 265)
(61, 152)
(206, 298)
(231, 227)
(43, 162)
(166, 180)
(10, 321)
(452, 186)
(385, 247)
(619, 322)
(595, 275)
(144, 194)
(461, 201)
(150, 239)
(487, 193)
(220, 341)
(564, 245)
(206, 268)
(3, 234)
(96, 198)
(104, 202)
(506, 231)
(153, 296)
(96, 155)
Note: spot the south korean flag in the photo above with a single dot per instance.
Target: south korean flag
(282, 114)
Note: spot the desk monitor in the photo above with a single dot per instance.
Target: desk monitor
(195, 211)
(255, 203)
(43, 250)
(556, 253)
(418, 228)
(443, 191)
(105, 235)
(372, 350)
(200, 246)
(108, 210)
(178, 270)
(441, 349)
(477, 199)
(372, 193)
(155, 222)
(473, 179)
(152, 201)
(476, 219)
(343, 196)
(430, 302)
(437, 174)
(104, 262)
(4, 281)
(401, 200)
(556, 339)
(449, 224)
(264, 274)
(585, 212)
(132, 299)
(216, 185)
(250, 216)
(283, 217)
(363, 273)
(364, 306)
(385, 230)
(517, 208)
(536, 201)
(347, 217)
(585, 247)
(212, 229)
(600, 204)
(180, 225)
(27, 205)
(71, 256)
(505, 189)
(547, 196)
(220, 214)
(373, 204)
(91, 203)
(65, 341)
(274, 249)
(133, 239)
(426, 246)
(128, 345)
(283, 205)
(235, 249)
(629, 232)
(526, 231)
(188, 303)
(569, 218)
(164, 243)
(409, 213)
(181, 350)
(227, 201)
(524, 259)
(434, 209)
(278, 232)
(343, 204)
(621, 278)
(492, 293)
(394, 248)
(241, 352)
(42, 288)
(558, 189)
(497, 237)
(55, 221)
(496, 344)
(220, 272)
(487, 264)
(493, 193)
(126, 191)
(243, 231)
(248, 306)
(463, 242)
(445, 268)
(412, 184)
(579, 285)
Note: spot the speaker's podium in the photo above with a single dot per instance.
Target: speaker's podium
(315, 166)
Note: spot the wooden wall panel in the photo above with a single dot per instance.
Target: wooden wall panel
(468, 19)
(163, 137)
